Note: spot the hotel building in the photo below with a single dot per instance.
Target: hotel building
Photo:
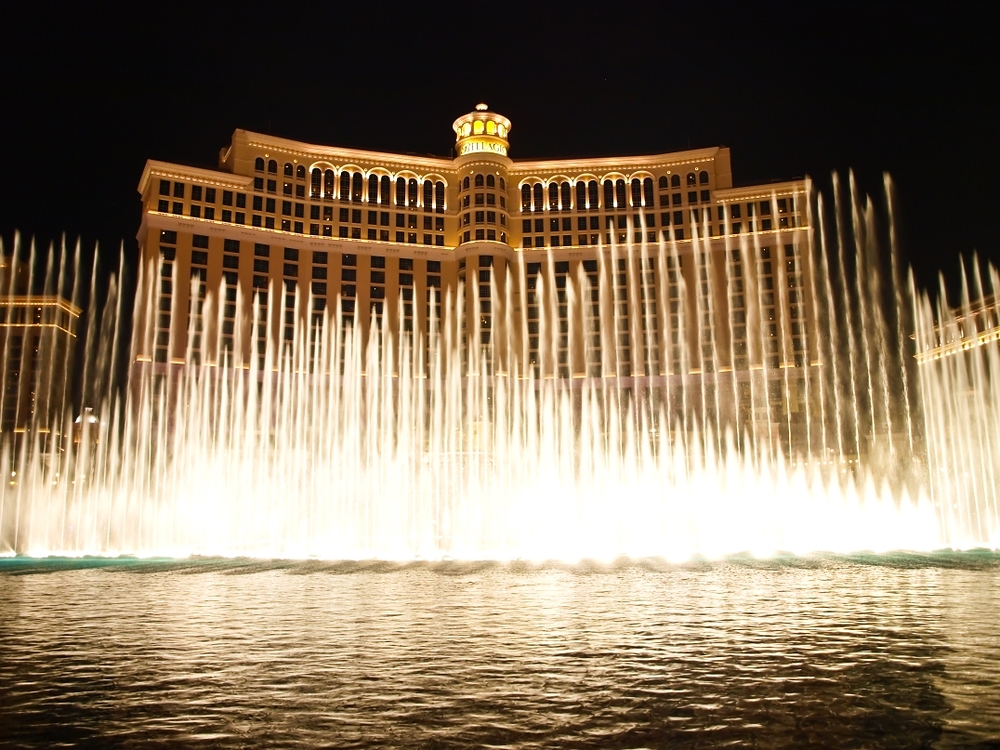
(37, 343)
(653, 270)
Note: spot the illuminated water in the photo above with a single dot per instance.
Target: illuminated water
(342, 449)
(896, 651)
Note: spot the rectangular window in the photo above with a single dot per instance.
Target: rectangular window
(199, 258)
(269, 206)
(199, 240)
(178, 189)
(230, 261)
(196, 192)
(290, 269)
(164, 187)
(196, 211)
(258, 203)
(260, 265)
(261, 251)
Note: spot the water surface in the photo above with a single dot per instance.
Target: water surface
(863, 651)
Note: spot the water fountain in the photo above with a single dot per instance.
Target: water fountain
(312, 458)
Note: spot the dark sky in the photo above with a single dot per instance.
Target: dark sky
(91, 92)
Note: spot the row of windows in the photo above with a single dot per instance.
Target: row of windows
(407, 192)
(481, 180)
(208, 195)
(617, 195)
(272, 168)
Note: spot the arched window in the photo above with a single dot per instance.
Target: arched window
(675, 180)
(592, 194)
(620, 193)
(691, 181)
(373, 188)
(258, 164)
(477, 127)
(539, 196)
(412, 192)
(400, 191)
(636, 193)
(439, 197)
(317, 181)
(525, 198)
(479, 180)
(428, 195)
(345, 186)
(356, 187)
(609, 194)
(503, 184)
(300, 172)
(465, 182)
(385, 190)
(581, 195)
(565, 194)
(491, 181)
(664, 182)
(491, 128)
(272, 167)
(288, 169)
(553, 196)
(703, 177)
(328, 179)
(647, 192)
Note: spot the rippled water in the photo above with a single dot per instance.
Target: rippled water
(894, 651)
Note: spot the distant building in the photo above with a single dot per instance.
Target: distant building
(653, 270)
(964, 330)
(37, 348)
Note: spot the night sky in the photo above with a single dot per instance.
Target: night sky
(793, 90)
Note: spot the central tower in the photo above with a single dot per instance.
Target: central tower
(484, 253)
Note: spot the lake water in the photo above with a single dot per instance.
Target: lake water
(862, 651)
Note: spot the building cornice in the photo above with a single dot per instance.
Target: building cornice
(344, 155)
(763, 192)
(194, 174)
(616, 163)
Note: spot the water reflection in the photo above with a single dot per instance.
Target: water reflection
(841, 652)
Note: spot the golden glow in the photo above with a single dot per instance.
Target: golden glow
(477, 127)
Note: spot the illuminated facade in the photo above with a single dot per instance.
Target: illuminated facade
(37, 343)
(646, 268)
